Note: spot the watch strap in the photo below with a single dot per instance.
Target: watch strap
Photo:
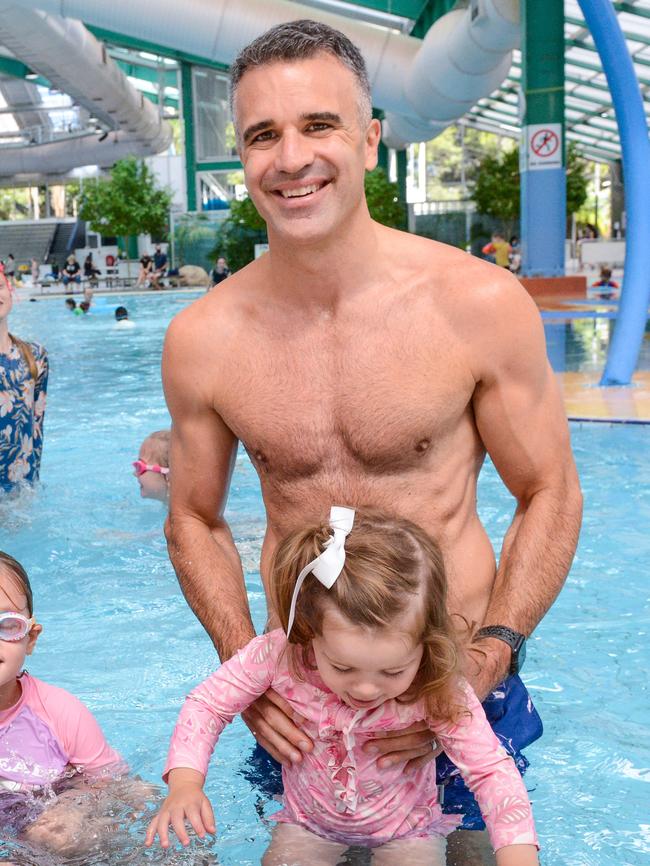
(515, 640)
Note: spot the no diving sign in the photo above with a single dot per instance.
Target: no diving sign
(544, 146)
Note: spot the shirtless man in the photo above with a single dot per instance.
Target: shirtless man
(359, 365)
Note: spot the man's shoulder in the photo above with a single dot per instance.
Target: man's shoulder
(451, 275)
(216, 313)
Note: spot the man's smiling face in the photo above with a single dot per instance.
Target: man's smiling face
(304, 146)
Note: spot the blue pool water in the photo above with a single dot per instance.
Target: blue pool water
(117, 631)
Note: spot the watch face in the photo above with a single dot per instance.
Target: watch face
(520, 651)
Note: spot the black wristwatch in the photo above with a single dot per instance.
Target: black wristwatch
(515, 640)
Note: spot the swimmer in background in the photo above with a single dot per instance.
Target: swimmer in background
(71, 305)
(366, 647)
(151, 469)
(608, 289)
(122, 318)
(46, 735)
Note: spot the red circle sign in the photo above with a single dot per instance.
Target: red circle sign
(544, 143)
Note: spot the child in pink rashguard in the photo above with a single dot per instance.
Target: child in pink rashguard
(366, 646)
(46, 734)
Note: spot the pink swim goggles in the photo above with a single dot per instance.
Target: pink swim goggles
(14, 626)
(141, 467)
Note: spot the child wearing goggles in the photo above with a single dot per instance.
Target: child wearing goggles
(47, 736)
(151, 469)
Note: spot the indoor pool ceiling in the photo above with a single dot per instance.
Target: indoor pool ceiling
(590, 119)
(589, 112)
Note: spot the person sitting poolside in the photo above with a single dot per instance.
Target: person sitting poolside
(122, 318)
(146, 269)
(151, 469)
(159, 267)
(71, 272)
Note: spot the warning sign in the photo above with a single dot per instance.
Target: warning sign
(544, 146)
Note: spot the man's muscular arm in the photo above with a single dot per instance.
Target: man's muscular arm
(521, 420)
(200, 544)
(203, 452)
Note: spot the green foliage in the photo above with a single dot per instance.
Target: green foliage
(496, 192)
(383, 199)
(577, 179)
(453, 160)
(127, 203)
(194, 239)
(497, 189)
(244, 213)
(239, 233)
(14, 203)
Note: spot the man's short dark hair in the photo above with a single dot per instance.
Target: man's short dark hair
(301, 40)
(121, 313)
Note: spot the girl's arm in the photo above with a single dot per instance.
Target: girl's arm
(206, 712)
(491, 775)
(219, 698)
(517, 855)
(40, 391)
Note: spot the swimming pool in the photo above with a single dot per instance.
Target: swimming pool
(118, 634)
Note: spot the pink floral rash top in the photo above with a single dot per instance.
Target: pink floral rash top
(338, 791)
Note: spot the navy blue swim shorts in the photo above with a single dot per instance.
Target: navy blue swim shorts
(514, 720)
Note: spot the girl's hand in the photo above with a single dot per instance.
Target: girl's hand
(185, 802)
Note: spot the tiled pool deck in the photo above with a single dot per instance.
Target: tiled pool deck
(584, 399)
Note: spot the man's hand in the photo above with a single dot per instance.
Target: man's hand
(275, 726)
(415, 746)
(186, 801)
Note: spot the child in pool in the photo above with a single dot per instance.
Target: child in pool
(151, 469)
(367, 646)
(46, 736)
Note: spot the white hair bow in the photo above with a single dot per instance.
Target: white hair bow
(329, 564)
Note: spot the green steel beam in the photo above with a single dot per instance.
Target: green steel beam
(632, 9)
(170, 102)
(629, 36)
(188, 133)
(403, 8)
(579, 43)
(431, 11)
(168, 77)
(10, 66)
(582, 64)
(542, 76)
(17, 69)
(220, 165)
(120, 39)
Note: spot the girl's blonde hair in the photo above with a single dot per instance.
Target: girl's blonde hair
(388, 561)
(26, 351)
(157, 444)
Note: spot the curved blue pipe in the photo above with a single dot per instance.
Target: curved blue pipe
(635, 146)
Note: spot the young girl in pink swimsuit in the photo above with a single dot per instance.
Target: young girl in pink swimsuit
(47, 736)
(366, 646)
